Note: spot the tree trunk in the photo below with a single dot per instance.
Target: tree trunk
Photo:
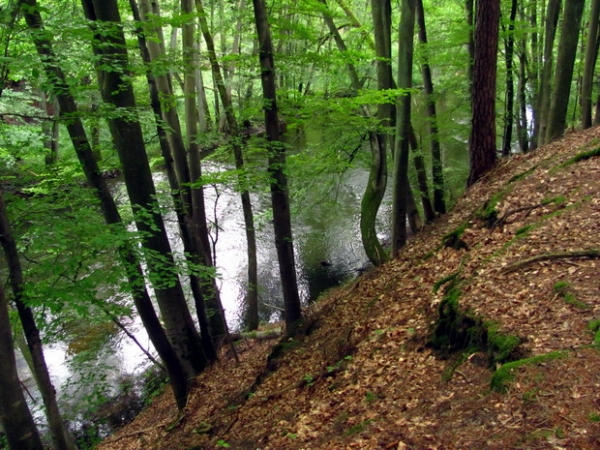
(540, 127)
(531, 74)
(376, 185)
(252, 289)
(15, 417)
(171, 143)
(482, 144)
(279, 189)
(470, 13)
(591, 54)
(127, 136)
(61, 438)
(421, 176)
(509, 113)
(109, 209)
(565, 62)
(218, 327)
(437, 167)
(403, 128)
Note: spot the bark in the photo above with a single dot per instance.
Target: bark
(117, 91)
(437, 167)
(108, 207)
(533, 75)
(510, 85)
(591, 54)
(565, 62)
(171, 143)
(540, 126)
(482, 144)
(252, 289)
(61, 438)
(218, 327)
(421, 176)
(277, 160)
(15, 417)
(403, 128)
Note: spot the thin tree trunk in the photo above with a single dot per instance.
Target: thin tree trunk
(127, 135)
(565, 62)
(421, 176)
(15, 417)
(277, 161)
(403, 128)
(171, 143)
(252, 290)
(437, 167)
(540, 127)
(591, 54)
(509, 113)
(131, 264)
(533, 74)
(61, 438)
(470, 12)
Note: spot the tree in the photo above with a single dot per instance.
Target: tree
(403, 128)
(252, 289)
(565, 61)
(439, 204)
(482, 144)
(277, 161)
(74, 125)
(110, 49)
(15, 416)
(509, 114)
(61, 438)
(591, 55)
(540, 125)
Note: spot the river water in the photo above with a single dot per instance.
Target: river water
(328, 251)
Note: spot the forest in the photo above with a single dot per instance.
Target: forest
(176, 175)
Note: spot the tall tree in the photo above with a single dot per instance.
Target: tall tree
(15, 416)
(509, 51)
(403, 128)
(482, 144)
(565, 62)
(112, 64)
(252, 289)
(437, 168)
(379, 140)
(74, 125)
(277, 162)
(540, 125)
(591, 55)
(61, 438)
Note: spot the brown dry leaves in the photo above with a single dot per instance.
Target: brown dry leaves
(364, 377)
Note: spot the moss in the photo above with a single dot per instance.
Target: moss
(523, 230)
(563, 289)
(457, 330)
(488, 212)
(505, 374)
(588, 154)
(594, 327)
(453, 239)
(449, 279)
(522, 175)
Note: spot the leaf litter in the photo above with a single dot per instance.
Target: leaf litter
(364, 376)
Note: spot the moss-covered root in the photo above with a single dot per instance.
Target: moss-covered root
(505, 374)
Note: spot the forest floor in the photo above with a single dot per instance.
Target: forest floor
(521, 284)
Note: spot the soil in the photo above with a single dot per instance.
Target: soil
(364, 375)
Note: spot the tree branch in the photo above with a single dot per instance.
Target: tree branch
(591, 253)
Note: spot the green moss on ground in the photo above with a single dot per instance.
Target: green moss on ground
(505, 374)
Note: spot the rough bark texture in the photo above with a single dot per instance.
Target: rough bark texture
(111, 215)
(403, 127)
(279, 189)
(15, 416)
(482, 144)
(127, 136)
(565, 61)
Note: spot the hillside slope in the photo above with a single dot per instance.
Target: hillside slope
(518, 281)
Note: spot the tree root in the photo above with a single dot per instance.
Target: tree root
(591, 253)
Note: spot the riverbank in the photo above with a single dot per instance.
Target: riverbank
(482, 334)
